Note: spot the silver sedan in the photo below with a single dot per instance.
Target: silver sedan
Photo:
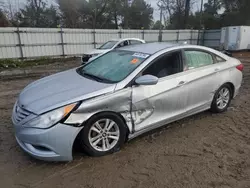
(120, 95)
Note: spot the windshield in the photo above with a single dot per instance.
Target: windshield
(108, 45)
(112, 67)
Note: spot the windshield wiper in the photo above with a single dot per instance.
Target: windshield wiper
(97, 78)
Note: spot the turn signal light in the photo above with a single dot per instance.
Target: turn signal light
(68, 109)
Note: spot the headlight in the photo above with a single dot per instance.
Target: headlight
(48, 119)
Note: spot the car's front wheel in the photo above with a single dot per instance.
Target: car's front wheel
(103, 134)
(222, 99)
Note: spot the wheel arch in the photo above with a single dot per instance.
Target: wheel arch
(98, 113)
(114, 113)
(232, 88)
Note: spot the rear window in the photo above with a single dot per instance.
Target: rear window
(113, 66)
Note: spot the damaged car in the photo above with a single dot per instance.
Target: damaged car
(120, 95)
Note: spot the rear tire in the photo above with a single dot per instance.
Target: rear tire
(103, 134)
(222, 99)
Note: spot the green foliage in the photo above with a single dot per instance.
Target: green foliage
(14, 63)
(139, 15)
(36, 13)
(157, 25)
(105, 14)
(235, 13)
(110, 14)
(4, 22)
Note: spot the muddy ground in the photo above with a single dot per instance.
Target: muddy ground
(205, 150)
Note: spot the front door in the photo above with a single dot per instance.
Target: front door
(156, 104)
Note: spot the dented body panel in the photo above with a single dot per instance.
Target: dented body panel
(160, 102)
(118, 102)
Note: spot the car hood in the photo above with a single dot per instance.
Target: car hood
(97, 51)
(60, 89)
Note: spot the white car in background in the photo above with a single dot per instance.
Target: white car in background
(110, 45)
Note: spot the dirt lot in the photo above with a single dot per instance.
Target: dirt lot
(205, 150)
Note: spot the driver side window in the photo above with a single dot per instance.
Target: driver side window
(166, 65)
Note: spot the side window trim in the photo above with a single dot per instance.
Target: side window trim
(223, 60)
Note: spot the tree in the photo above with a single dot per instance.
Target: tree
(212, 7)
(236, 12)
(4, 22)
(101, 14)
(211, 18)
(177, 16)
(157, 25)
(178, 12)
(88, 14)
(115, 9)
(139, 15)
(36, 14)
(232, 5)
(70, 12)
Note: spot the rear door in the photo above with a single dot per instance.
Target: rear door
(202, 78)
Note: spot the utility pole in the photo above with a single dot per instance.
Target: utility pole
(201, 12)
(126, 14)
(187, 8)
(160, 30)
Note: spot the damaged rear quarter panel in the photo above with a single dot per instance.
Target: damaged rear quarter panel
(118, 102)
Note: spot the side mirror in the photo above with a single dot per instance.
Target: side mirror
(147, 80)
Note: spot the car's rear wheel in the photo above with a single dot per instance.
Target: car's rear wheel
(222, 99)
(103, 134)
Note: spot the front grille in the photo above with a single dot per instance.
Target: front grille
(20, 114)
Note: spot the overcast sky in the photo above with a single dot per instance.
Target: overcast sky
(153, 3)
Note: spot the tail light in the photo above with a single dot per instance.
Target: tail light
(240, 67)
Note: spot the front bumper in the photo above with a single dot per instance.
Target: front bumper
(53, 144)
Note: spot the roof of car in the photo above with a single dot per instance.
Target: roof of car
(149, 48)
(122, 39)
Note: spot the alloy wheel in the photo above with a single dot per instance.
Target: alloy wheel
(104, 135)
(223, 98)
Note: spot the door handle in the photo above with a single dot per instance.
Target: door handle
(181, 83)
(217, 69)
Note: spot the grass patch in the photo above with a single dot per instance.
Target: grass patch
(15, 63)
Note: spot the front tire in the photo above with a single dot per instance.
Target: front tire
(103, 134)
(222, 99)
